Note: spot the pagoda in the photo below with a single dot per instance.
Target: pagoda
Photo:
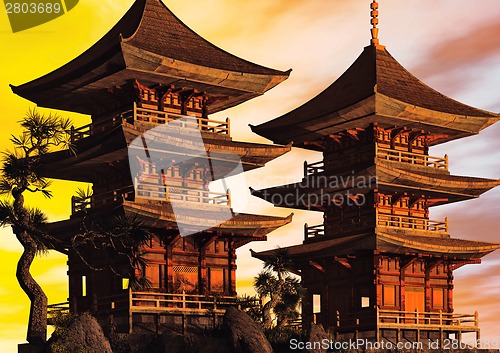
(378, 267)
(150, 70)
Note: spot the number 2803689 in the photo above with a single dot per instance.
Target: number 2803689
(32, 8)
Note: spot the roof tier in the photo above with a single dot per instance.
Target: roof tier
(106, 153)
(160, 215)
(152, 45)
(388, 242)
(386, 177)
(376, 88)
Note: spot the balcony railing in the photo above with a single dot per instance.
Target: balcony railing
(390, 155)
(154, 117)
(412, 158)
(129, 302)
(413, 223)
(313, 231)
(171, 193)
(152, 192)
(439, 322)
(393, 318)
(313, 168)
(79, 204)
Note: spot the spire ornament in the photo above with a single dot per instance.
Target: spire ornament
(374, 22)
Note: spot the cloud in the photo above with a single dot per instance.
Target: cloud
(457, 63)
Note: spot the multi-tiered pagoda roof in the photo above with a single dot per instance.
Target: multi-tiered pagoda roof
(152, 45)
(377, 88)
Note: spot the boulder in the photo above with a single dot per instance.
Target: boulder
(84, 334)
(243, 334)
(316, 335)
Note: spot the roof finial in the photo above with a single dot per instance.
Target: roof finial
(374, 22)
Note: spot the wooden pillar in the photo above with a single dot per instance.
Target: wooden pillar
(202, 271)
(429, 266)
(427, 282)
(231, 267)
(402, 285)
(378, 286)
(204, 107)
(450, 288)
(169, 245)
(202, 265)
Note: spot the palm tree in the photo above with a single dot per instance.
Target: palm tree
(20, 172)
(281, 287)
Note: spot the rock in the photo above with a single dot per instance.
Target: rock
(243, 334)
(316, 335)
(84, 334)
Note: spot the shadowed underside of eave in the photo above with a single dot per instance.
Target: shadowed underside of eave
(388, 242)
(102, 154)
(163, 215)
(390, 177)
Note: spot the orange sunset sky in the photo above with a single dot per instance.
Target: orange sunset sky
(452, 45)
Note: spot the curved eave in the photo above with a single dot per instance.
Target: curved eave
(332, 247)
(384, 110)
(101, 59)
(376, 88)
(142, 60)
(438, 182)
(95, 152)
(130, 50)
(217, 147)
(393, 112)
(193, 215)
(452, 247)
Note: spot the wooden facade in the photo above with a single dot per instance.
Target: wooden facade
(138, 77)
(379, 267)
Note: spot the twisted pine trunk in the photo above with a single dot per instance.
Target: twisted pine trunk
(37, 325)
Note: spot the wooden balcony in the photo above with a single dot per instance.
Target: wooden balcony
(391, 155)
(176, 193)
(411, 158)
(129, 302)
(395, 318)
(152, 192)
(412, 223)
(382, 320)
(153, 118)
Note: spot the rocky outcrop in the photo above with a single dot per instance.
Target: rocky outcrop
(243, 334)
(84, 334)
(316, 335)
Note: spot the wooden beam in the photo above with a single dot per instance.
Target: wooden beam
(343, 261)
(162, 92)
(415, 135)
(397, 196)
(317, 143)
(432, 138)
(317, 266)
(414, 199)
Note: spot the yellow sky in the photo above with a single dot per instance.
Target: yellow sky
(452, 44)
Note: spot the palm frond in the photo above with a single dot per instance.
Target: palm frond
(7, 214)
